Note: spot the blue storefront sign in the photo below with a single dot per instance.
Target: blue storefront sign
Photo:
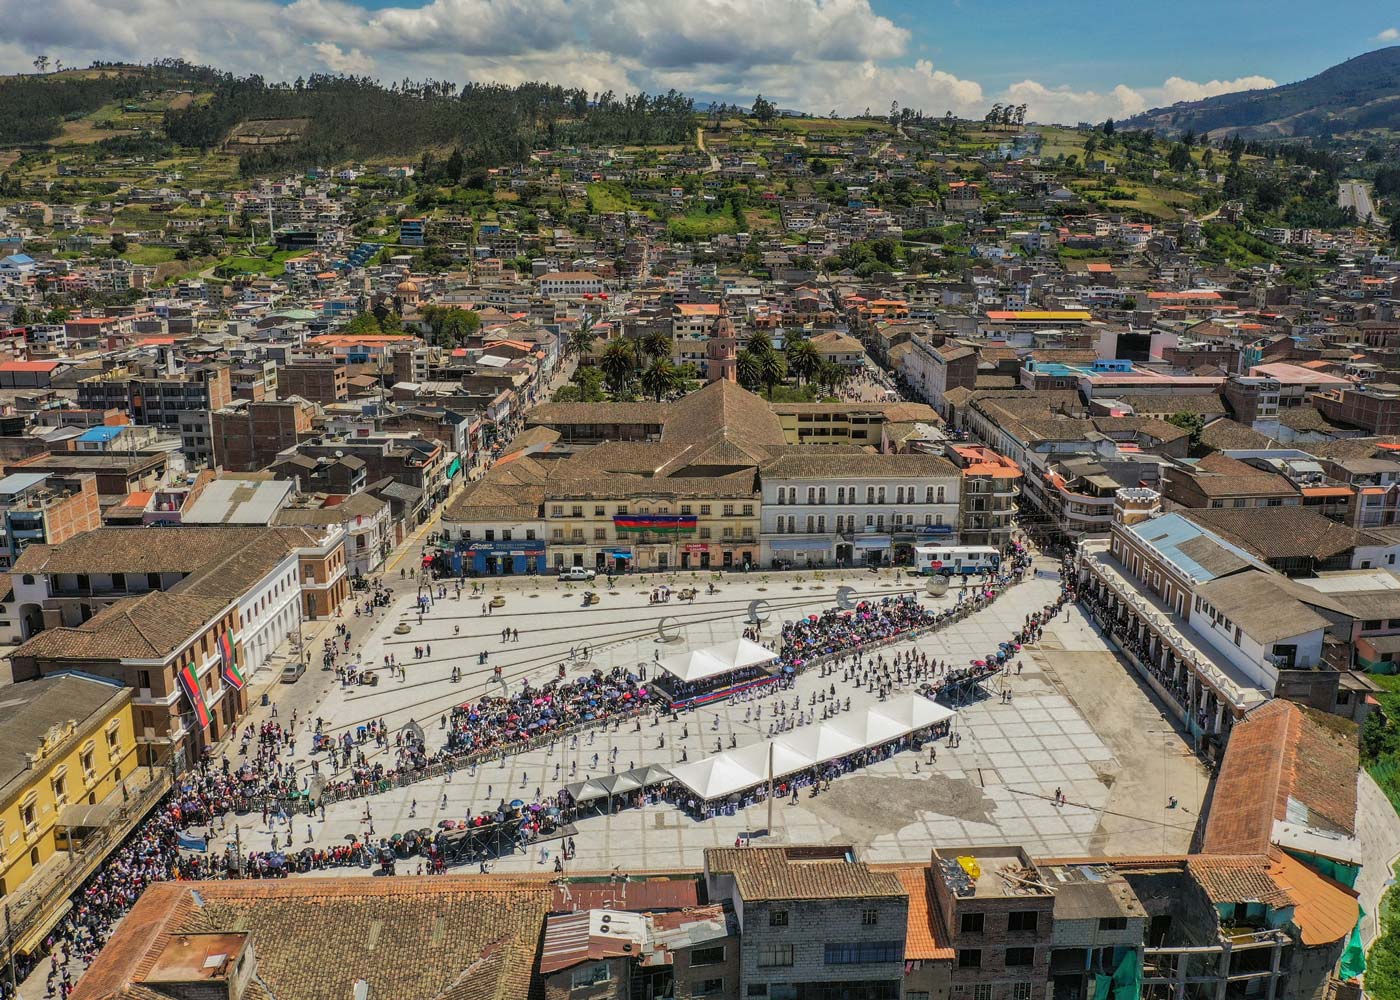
(500, 558)
(933, 529)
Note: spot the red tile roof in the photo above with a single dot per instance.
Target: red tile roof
(925, 939)
(1277, 756)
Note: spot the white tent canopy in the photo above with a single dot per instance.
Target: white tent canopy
(700, 664)
(748, 767)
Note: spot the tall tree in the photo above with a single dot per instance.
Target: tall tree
(659, 378)
(748, 369)
(618, 363)
(759, 342)
(803, 359)
(772, 370)
(656, 345)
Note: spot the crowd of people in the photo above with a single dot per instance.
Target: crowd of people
(503, 722)
(836, 631)
(266, 777)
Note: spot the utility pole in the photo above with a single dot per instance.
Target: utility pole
(10, 950)
(770, 788)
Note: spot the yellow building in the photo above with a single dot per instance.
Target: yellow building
(70, 789)
(863, 424)
(662, 524)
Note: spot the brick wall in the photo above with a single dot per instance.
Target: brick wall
(811, 926)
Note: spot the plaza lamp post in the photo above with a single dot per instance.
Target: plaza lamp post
(770, 788)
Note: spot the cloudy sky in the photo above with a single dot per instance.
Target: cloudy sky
(1068, 60)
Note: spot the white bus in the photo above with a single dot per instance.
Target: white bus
(959, 559)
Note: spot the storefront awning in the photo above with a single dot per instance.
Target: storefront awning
(88, 817)
(872, 541)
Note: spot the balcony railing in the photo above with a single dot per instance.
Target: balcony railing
(40, 897)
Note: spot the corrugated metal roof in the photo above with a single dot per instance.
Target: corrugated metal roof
(1205, 556)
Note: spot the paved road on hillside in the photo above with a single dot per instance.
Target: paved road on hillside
(1354, 194)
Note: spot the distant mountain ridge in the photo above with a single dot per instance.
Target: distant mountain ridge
(1361, 93)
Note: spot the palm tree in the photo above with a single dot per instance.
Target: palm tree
(581, 339)
(759, 342)
(803, 360)
(772, 370)
(656, 345)
(748, 370)
(617, 363)
(840, 375)
(659, 378)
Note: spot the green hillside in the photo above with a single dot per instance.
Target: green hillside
(1361, 93)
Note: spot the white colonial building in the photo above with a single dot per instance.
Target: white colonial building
(855, 508)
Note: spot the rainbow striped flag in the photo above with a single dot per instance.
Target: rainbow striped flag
(228, 664)
(190, 683)
(663, 523)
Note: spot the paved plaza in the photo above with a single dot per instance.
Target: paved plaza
(997, 785)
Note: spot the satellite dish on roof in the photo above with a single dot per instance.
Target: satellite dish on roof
(339, 453)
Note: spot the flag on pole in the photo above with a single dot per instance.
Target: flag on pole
(233, 677)
(190, 683)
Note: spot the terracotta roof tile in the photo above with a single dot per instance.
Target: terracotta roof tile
(798, 873)
(1238, 879)
(1279, 764)
(925, 937)
(445, 938)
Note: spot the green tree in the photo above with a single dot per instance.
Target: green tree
(450, 326)
(656, 345)
(748, 369)
(590, 384)
(1193, 423)
(618, 363)
(659, 378)
(581, 340)
(759, 342)
(772, 371)
(1179, 159)
(803, 359)
(120, 244)
(454, 166)
(829, 376)
(365, 322)
(1395, 228)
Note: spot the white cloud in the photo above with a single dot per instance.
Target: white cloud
(338, 60)
(806, 54)
(1389, 35)
(1176, 89)
(723, 32)
(1064, 104)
